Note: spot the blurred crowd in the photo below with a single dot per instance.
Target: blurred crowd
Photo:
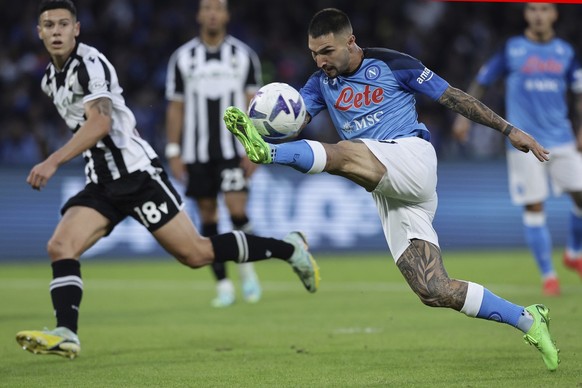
(138, 36)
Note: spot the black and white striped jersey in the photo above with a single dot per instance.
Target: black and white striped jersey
(86, 76)
(208, 80)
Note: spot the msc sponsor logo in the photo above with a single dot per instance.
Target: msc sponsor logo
(542, 85)
(426, 75)
(349, 98)
(363, 122)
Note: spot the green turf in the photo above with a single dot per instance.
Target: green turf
(149, 324)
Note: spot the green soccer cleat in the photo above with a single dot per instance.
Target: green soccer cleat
(60, 341)
(303, 262)
(539, 336)
(239, 124)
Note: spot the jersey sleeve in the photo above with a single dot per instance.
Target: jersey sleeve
(94, 77)
(174, 81)
(493, 69)
(415, 77)
(44, 82)
(312, 97)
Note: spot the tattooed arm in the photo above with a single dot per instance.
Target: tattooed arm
(462, 125)
(475, 110)
(95, 128)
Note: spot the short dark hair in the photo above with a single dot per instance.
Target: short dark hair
(327, 21)
(46, 5)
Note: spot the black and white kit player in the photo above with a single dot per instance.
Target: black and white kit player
(206, 75)
(124, 178)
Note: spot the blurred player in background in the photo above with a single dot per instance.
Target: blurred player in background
(124, 178)
(205, 76)
(538, 69)
(369, 94)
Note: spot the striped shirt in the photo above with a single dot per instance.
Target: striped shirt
(88, 75)
(208, 80)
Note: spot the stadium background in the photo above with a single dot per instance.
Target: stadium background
(138, 36)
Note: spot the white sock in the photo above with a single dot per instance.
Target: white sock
(319, 157)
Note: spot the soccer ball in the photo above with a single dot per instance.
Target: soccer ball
(277, 111)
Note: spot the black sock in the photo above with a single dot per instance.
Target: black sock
(66, 292)
(209, 229)
(241, 247)
(242, 223)
(218, 268)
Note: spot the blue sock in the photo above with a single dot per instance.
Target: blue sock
(296, 154)
(575, 233)
(537, 236)
(498, 309)
(481, 303)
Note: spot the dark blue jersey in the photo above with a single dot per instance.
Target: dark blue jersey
(377, 100)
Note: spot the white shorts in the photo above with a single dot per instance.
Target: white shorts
(529, 179)
(406, 196)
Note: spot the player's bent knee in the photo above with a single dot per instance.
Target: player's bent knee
(338, 155)
(196, 262)
(56, 249)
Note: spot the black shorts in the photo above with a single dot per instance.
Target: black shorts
(206, 180)
(148, 197)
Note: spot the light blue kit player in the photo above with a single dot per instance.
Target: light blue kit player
(538, 69)
(369, 94)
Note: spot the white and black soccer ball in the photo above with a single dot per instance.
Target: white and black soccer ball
(277, 111)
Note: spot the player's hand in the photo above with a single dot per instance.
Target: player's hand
(41, 173)
(178, 169)
(248, 167)
(461, 128)
(525, 142)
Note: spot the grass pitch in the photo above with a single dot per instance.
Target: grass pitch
(150, 324)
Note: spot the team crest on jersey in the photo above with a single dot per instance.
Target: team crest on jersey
(372, 72)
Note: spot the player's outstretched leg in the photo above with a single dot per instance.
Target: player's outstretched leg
(302, 262)
(251, 288)
(225, 294)
(243, 129)
(60, 341)
(539, 335)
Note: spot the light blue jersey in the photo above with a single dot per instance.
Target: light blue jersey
(377, 100)
(537, 77)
